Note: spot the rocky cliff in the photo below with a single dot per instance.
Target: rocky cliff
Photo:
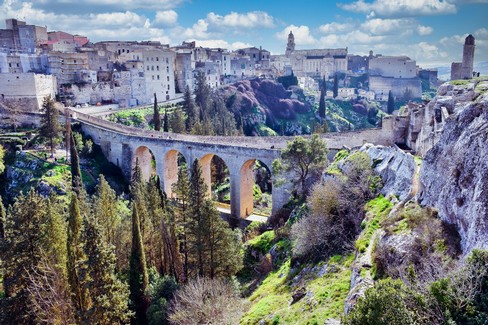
(454, 175)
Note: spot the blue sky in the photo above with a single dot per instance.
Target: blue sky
(429, 31)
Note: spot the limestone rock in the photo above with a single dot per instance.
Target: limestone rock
(396, 168)
(454, 175)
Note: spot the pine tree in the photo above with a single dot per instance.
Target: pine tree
(224, 256)
(166, 121)
(22, 251)
(335, 90)
(105, 210)
(156, 115)
(50, 126)
(76, 262)
(177, 122)
(190, 109)
(76, 181)
(391, 103)
(138, 280)
(109, 296)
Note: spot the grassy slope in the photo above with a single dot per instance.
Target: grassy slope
(324, 298)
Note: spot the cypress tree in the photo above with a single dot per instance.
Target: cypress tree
(3, 215)
(390, 107)
(189, 107)
(50, 126)
(156, 115)
(138, 280)
(202, 94)
(335, 90)
(322, 103)
(182, 190)
(108, 294)
(105, 209)
(166, 121)
(197, 219)
(76, 181)
(76, 262)
(56, 234)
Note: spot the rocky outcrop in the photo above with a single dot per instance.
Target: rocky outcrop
(396, 168)
(454, 175)
(265, 102)
(427, 125)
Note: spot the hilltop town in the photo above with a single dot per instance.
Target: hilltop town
(35, 62)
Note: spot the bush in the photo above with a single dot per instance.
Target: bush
(389, 302)
(206, 301)
(161, 291)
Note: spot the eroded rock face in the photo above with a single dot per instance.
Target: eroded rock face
(396, 168)
(454, 175)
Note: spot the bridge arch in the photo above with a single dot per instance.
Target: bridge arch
(173, 161)
(215, 171)
(147, 162)
(246, 185)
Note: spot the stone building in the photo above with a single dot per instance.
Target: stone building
(18, 36)
(464, 70)
(397, 74)
(316, 62)
(25, 92)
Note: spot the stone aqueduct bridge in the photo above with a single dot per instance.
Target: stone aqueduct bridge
(122, 145)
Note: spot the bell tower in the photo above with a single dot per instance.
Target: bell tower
(290, 46)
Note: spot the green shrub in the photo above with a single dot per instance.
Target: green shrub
(389, 302)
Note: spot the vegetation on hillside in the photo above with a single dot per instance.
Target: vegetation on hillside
(88, 255)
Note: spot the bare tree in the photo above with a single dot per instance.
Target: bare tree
(50, 299)
(206, 301)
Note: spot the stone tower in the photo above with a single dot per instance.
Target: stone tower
(464, 70)
(468, 57)
(290, 47)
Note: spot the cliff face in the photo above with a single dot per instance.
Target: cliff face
(454, 175)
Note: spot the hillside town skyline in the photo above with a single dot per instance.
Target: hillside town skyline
(429, 32)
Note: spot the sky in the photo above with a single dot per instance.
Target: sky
(431, 32)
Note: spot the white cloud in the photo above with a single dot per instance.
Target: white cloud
(302, 35)
(400, 8)
(126, 25)
(424, 30)
(166, 17)
(222, 44)
(199, 30)
(95, 5)
(336, 28)
(253, 19)
(400, 26)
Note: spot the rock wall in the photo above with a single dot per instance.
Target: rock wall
(454, 175)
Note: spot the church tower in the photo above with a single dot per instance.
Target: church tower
(290, 47)
(468, 57)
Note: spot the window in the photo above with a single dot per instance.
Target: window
(74, 61)
(157, 67)
(158, 77)
(167, 60)
(152, 77)
(157, 58)
(167, 78)
(152, 68)
(147, 68)
(168, 87)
